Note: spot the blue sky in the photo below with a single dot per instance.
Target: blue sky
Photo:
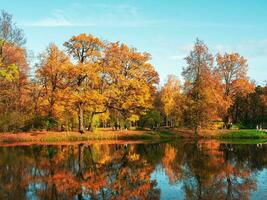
(166, 29)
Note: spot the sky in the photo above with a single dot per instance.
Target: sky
(167, 29)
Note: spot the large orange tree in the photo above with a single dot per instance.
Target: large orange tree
(85, 74)
(131, 80)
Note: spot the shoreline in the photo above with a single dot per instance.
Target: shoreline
(130, 136)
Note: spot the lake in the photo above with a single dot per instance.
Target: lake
(170, 170)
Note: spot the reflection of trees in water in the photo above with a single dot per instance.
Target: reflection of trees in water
(123, 171)
(80, 172)
(223, 171)
(14, 173)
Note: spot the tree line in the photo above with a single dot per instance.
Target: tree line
(216, 89)
(92, 82)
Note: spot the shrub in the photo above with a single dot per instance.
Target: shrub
(12, 121)
(40, 122)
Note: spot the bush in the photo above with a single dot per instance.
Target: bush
(237, 127)
(151, 119)
(40, 122)
(217, 125)
(12, 122)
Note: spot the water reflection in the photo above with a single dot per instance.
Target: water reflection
(180, 170)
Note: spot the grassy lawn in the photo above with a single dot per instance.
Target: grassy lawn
(44, 136)
(240, 136)
(244, 134)
(243, 141)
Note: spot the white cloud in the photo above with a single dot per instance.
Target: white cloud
(126, 8)
(98, 15)
(51, 22)
(57, 20)
(251, 49)
(186, 48)
(255, 48)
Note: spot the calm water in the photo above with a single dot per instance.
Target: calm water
(177, 170)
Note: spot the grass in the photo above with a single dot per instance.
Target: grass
(52, 137)
(243, 141)
(244, 134)
(239, 136)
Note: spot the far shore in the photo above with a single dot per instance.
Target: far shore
(131, 136)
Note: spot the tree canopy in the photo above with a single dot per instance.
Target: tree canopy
(90, 82)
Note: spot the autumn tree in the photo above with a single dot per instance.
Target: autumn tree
(171, 101)
(131, 79)
(250, 110)
(13, 74)
(52, 76)
(9, 32)
(199, 88)
(232, 70)
(85, 75)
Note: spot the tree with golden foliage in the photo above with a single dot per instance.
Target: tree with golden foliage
(131, 79)
(172, 101)
(85, 75)
(91, 77)
(52, 76)
(14, 82)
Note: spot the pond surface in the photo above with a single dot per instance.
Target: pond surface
(176, 170)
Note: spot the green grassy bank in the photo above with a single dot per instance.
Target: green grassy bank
(44, 136)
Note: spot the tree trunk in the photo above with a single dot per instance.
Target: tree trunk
(166, 121)
(80, 118)
(91, 128)
(196, 132)
(226, 121)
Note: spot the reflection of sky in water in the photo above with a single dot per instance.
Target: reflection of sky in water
(32, 188)
(261, 192)
(167, 191)
(175, 191)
